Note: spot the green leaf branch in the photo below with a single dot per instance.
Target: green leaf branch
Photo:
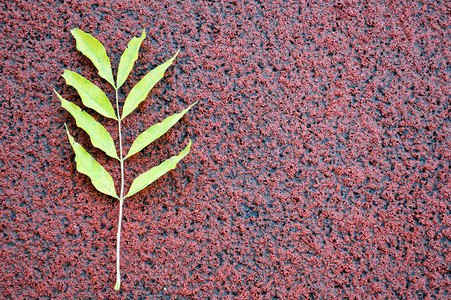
(94, 98)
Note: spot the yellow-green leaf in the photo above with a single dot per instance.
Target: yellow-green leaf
(128, 58)
(90, 94)
(143, 87)
(99, 136)
(94, 50)
(87, 165)
(153, 174)
(155, 131)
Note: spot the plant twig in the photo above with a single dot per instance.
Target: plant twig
(117, 286)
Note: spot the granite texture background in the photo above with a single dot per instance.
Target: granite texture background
(320, 159)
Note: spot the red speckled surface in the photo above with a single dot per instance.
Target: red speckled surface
(320, 159)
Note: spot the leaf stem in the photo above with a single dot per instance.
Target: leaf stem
(121, 200)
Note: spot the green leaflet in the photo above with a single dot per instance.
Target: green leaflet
(87, 165)
(153, 174)
(90, 94)
(95, 51)
(128, 58)
(99, 136)
(155, 131)
(143, 87)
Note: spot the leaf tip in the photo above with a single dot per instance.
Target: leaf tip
(59, 97)
(71, 139)
(75, 31)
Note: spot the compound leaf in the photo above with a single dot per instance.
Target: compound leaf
(94, 50)
(143, 180)
(91, 96)
(128, 58)
(99, 136)
(87, 165)
(143, 87)
(155, 131)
